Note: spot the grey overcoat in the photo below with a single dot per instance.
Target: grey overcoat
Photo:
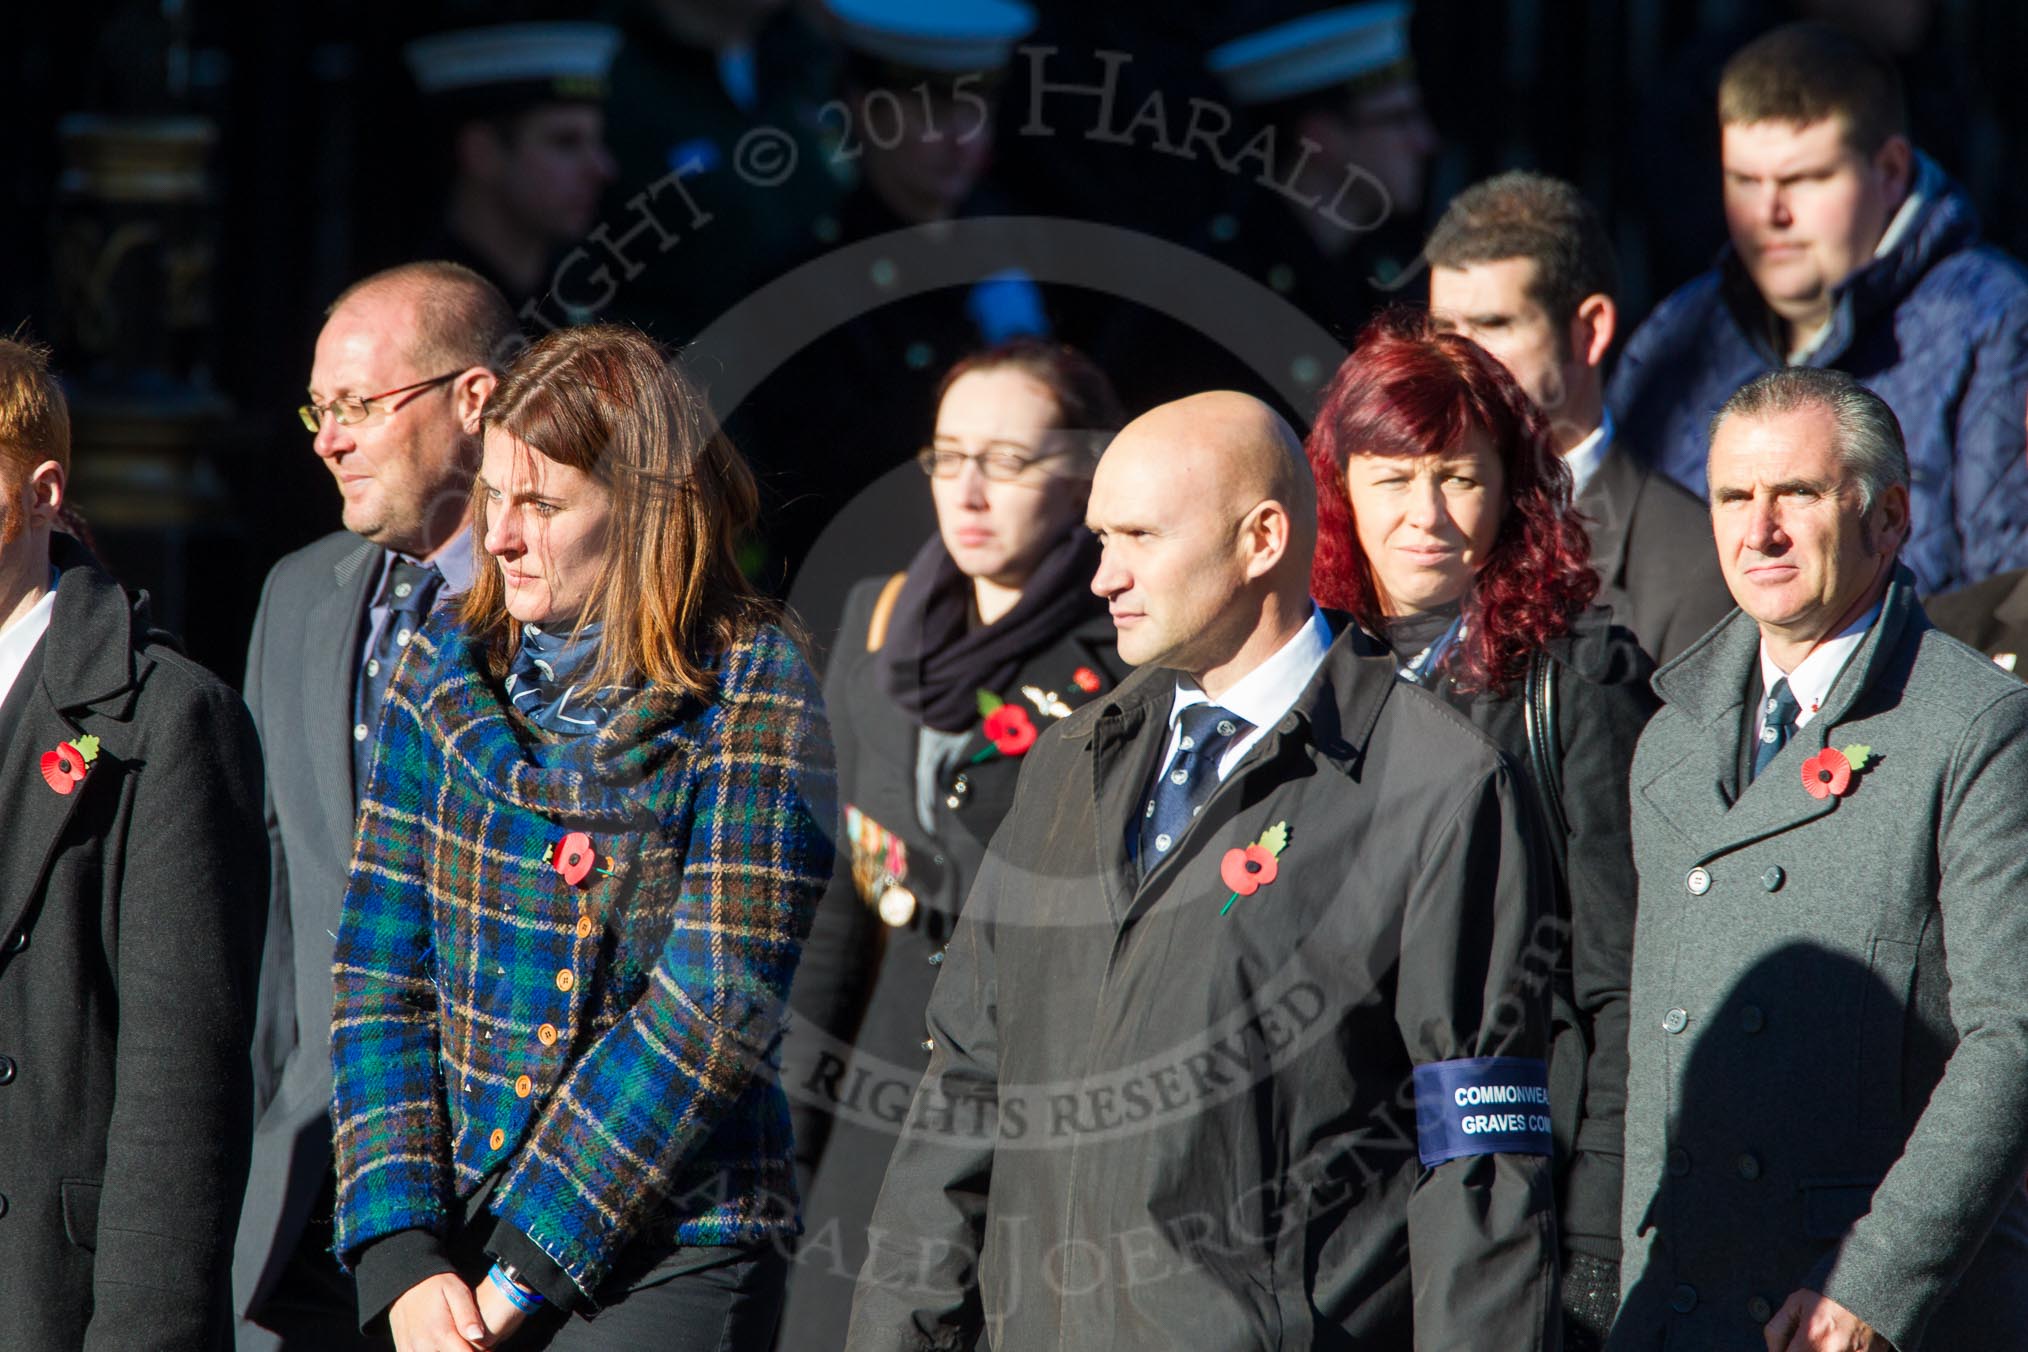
(1828, 1062)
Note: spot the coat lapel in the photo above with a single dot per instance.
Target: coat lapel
(86, 659)
(1708, 684)
(1125, 743)
(330, 673)
(1607, 505)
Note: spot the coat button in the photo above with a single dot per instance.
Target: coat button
(17, 941)
(1758, 1310)
(546, 1035)
(6, 1070)
(564, 980)
(1685, 1300)
(1749, 1168)
(1675, 1021)
(1699, 882)
(1751, 1020)
(497, 1139)
(360, 732)
(523, 1087)
(584, 927)
(1773, 878)
(1679, 1162)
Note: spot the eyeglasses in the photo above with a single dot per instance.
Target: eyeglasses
(349, 410)
(999, 466)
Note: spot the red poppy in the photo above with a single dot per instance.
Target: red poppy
(1085, 679)
(64, 768)
(1248, 870)
(1009, 730)
(1826, 773)
(573, 858)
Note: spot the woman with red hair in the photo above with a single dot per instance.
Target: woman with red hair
(1444, 525)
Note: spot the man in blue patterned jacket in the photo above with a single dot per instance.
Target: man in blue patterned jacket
(1850, 249)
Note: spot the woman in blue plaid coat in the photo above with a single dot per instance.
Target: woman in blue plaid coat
(598, 822)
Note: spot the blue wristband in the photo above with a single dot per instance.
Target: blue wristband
(518, 1296)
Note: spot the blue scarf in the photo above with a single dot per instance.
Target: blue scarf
(543, 682)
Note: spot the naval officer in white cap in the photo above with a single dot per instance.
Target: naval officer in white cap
(1332, 105)
(521, 109)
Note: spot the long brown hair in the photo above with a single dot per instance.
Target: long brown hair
(603, 399)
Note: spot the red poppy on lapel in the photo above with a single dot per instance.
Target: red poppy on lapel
(65, 768)
(1010, 730)
(1829, 773)
(1246, 869)
(1085, 679)
(573, 858)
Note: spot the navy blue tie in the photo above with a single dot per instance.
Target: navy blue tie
(1180, 791)
(406, 591)
(1778, 726)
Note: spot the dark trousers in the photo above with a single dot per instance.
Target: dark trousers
(696, 1301)
(314, 1307)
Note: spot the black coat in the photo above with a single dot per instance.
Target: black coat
(1652, 549)
(854, 1054)
(1603, 702)
(131, 915)
(1992, 616)
(1157, 1115)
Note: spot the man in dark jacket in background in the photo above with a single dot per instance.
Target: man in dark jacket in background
(132, 888)
(1239, 1041)
(1852, 250)
(1521, 265)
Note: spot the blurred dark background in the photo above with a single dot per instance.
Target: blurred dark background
(191, 182)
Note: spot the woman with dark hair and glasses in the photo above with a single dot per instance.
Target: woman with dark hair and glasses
(1444, 525)
(940, 679)
(596, 829)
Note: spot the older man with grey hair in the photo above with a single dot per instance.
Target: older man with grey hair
(1827, 1100)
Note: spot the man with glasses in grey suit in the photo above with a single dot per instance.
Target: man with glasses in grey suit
(405, 361)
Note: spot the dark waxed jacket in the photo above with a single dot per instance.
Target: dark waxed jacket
(853, 1054)
(1162, 1126)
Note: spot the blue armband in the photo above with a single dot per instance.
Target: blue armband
(1483, 1105)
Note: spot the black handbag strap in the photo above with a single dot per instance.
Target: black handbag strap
(1545, 750)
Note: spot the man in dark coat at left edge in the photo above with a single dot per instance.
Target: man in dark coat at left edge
(132, 903)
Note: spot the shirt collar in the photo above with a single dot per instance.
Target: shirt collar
(1271, 689)
(1585, 457)
(18, 639)
(453, 562)
(1814, 676)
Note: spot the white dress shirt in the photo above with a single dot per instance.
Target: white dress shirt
(1261, 696)
(1585, 457)
(18, 639)
(1814, 676)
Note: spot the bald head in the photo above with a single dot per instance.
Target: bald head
(445, 316)
(1207, 512)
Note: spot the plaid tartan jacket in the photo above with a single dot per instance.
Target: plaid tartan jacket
(607, 1049)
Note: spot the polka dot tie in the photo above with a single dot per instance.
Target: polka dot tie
(1777, 727)
(1180, 790)
(406, 592)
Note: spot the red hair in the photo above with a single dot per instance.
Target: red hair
(1411, 390)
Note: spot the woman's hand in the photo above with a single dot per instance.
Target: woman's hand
(438, 1314)
(497, 1312)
